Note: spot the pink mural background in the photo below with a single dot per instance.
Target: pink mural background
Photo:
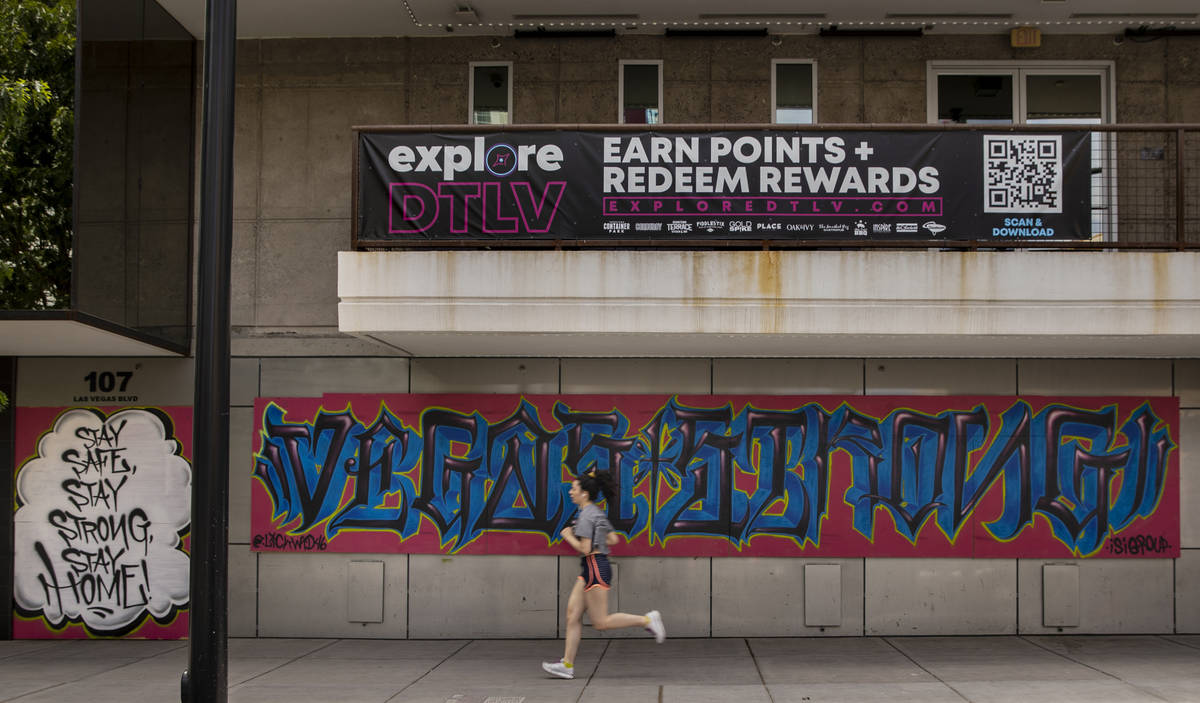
(306, 499)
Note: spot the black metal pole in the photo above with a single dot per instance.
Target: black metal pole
(206, 679)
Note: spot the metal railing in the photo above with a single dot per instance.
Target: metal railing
(1145, 191)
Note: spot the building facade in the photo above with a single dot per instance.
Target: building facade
(936, 327)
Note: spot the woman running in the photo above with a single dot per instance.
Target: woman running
(592, 536)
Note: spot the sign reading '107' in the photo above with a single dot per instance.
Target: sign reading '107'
(108, 384)
(773, 184)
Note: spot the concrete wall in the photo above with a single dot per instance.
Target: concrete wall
(778, 304)
(436, 596)
(425, 81)
(431, 596)
(297, 101)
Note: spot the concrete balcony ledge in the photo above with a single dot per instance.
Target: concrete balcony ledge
(774, 304)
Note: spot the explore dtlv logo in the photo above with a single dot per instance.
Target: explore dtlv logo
(498, 160)
(464, 198)
(460, 207)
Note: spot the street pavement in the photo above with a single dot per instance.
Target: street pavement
(1055, 669)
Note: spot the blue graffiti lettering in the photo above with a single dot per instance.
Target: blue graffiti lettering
(695, 471)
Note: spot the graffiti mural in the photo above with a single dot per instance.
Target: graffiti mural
(722, 475)
(103, 509)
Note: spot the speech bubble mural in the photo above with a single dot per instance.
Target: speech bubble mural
(97, 535)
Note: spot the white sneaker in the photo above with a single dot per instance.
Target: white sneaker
(655, 626)
(559, 669)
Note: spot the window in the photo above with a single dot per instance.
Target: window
(491, 93)
(988, 93)
(1036, 92)
(985, 98)
(641, 92)
(793, 91)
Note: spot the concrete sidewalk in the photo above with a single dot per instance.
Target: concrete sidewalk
(1095, 669)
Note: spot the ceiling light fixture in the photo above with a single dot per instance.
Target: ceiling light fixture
(837, 31)
(1134, 16)
(1144, 31)
(955, 16)
(569, 17)
(543, 33)
(715, 32)
(727, 16)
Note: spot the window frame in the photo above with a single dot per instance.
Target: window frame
(621, 64)
(1018, 70)
(471, 88)
(774, 91)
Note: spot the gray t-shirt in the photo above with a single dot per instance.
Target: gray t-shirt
(593, 524)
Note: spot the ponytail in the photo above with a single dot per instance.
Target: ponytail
(597, 482)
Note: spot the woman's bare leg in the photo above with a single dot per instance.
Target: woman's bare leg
(575, 604)
(597, 607)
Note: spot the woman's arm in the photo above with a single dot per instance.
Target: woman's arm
(611, 539)
(583, 545)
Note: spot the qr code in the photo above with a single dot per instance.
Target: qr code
(1022, 173)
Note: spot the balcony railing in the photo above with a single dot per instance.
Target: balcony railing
(1144, 186)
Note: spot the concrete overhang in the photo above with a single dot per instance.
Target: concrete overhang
(72, 333)
(1067, 304)
(446, 18)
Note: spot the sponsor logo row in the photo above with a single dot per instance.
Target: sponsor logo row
(860, 228)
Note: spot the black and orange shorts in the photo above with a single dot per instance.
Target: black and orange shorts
(597, 572)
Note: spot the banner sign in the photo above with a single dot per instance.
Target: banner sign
(764, 184)
(994, 477)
